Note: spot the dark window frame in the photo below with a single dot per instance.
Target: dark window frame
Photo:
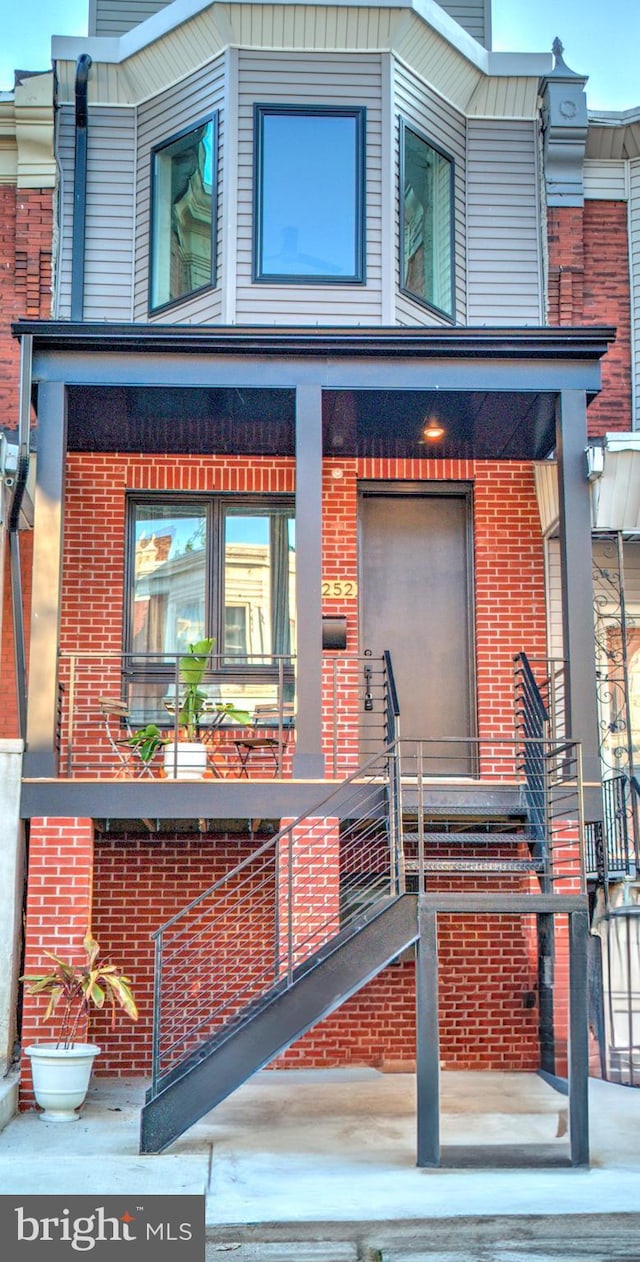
(156, 149)
(358, 112)
(215, 505)
(405, 126)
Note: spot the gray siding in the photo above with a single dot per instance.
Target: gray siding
(309, 79)
(109, 213)
(503, 229)
(472, 15)
(443, 125)
(114, 17)
(164, 116)
(605, 181)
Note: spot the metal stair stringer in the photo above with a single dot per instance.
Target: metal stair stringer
(315, 993)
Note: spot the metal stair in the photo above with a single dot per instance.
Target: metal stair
(303, 922)
(263, 1031)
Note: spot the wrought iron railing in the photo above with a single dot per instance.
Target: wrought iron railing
(250, 934)
(610, 848)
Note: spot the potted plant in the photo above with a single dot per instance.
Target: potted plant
(62, 1069)
(147, 741)
(186, 758)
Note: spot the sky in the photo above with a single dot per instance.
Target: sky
(600, 41)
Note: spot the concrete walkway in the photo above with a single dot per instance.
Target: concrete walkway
(308, 1150)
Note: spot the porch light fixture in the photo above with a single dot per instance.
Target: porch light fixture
(433, 431)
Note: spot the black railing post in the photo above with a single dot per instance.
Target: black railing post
(157, 1012)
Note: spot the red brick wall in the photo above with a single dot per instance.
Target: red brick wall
(487, 965)
(485, 969)
(138, 885)
(26, 225)
(589, 284)
(509, 572)
(59, 897)
(607, 300)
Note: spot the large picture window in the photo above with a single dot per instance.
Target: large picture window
(218, 567)
(426, 222)
(183, 218)
(309, 194)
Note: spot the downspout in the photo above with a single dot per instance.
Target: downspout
(83, 65)
(22, 473)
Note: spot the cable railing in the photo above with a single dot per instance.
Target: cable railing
(109, 702)
(503, 811)
(220, 959)
(378, 835)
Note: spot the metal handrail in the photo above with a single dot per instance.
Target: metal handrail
(150, 685)
(278, 907)
(271, 884)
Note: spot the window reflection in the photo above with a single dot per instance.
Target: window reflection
(427, 221)
(182, 247)
(213, 569)
(169, 579)
(309, 203)
(259, 579)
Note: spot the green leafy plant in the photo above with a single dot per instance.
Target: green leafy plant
(74, 989)
(192, 668)
(147, 741)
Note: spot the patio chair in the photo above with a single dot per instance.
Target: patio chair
(119, 732)
(272, 725)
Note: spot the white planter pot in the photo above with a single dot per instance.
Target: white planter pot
(61, 1078)
(185, 761)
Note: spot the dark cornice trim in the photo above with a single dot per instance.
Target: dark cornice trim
(448, 343)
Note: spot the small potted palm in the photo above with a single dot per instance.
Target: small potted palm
(186, 758)
(62, 1069)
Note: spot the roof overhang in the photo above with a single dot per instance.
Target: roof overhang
(230, 388)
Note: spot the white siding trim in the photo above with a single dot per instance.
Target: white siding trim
(229, 198)
(388, 195)
(134, 221)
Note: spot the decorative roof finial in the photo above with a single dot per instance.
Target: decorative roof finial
(557, 48)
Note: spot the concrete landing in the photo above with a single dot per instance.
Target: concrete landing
(328, 1155)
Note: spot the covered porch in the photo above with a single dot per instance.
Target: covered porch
(333, 405)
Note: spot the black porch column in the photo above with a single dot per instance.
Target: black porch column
(577, 584)
(40, 756)
(427, 1038)
(308, 761)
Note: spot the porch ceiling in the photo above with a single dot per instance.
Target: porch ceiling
(375, 423)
